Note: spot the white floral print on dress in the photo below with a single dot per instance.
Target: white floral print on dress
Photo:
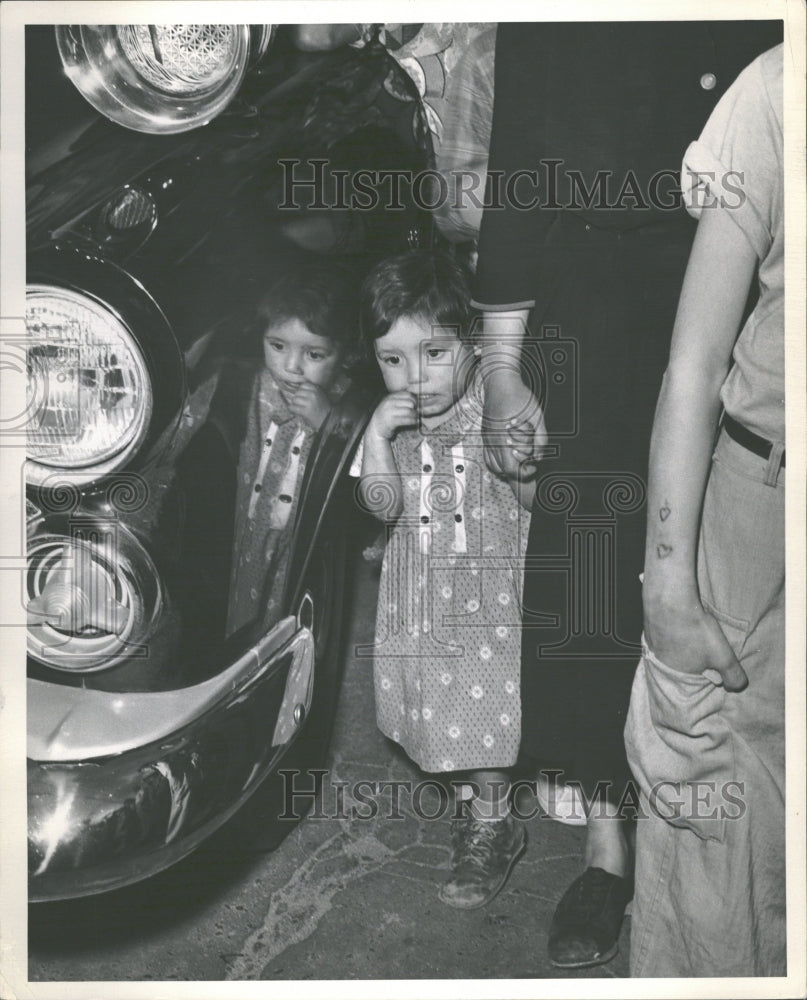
(459, 653)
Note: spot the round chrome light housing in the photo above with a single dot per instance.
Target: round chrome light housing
(91, 603)
(160, 78)
(89, 388)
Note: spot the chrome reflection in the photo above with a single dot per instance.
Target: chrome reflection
(156, 78)
(95, 825)
(93, 598)
(50, 831)
(180, 788)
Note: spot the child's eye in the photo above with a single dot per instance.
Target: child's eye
(276, 345)
(391, 359)
(317, 355)
(435, 352)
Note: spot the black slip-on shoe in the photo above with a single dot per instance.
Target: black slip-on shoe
(585, 926)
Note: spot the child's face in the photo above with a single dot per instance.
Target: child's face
(294, 355)
(431, 364)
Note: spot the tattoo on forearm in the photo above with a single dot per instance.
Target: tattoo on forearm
(663, 550)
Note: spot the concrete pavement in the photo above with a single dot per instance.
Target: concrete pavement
(342, 898)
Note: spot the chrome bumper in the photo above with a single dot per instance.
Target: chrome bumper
(102, 822)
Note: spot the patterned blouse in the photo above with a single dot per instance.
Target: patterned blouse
(270, 469)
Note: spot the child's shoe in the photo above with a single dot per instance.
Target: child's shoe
(483, 852)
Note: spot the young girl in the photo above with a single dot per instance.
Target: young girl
(446, 654)
(309, 326)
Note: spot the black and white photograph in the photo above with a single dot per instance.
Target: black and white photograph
(394, 432)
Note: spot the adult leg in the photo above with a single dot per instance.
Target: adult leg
(577, 672)
(710, 897)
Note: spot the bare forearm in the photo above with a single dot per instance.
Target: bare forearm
(380, 485)
(502, 342)
(680, 456)
(509, 402)
(709, 314)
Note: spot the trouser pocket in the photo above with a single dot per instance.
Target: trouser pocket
(680, 747)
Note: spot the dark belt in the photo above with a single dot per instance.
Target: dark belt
(753, 442)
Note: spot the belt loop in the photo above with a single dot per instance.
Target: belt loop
(774, 463)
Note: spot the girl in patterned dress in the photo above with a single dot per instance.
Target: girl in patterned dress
(446, 653)
(309, 324)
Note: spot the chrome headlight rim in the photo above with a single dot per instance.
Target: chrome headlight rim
(102, 62)
(71, 266)
(261, 37)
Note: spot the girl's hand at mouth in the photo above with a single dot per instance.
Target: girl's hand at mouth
(398, 409)
(311, 403)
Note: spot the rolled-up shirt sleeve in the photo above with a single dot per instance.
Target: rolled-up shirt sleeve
(735, 161)
(511, 236)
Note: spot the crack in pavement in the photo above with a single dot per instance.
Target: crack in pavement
(298, 906)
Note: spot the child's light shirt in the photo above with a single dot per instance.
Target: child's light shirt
(448, 626)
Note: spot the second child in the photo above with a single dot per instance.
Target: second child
(446, 653)
(308, 330)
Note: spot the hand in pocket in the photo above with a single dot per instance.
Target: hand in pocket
(688, 638)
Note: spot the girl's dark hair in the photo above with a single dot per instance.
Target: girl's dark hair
(323, 295)
(423, 283)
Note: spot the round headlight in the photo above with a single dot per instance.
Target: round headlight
(156, 77)
(181, 58)
(89, 390)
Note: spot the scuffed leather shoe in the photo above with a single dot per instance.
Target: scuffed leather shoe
(483, 854)
(586, 923)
